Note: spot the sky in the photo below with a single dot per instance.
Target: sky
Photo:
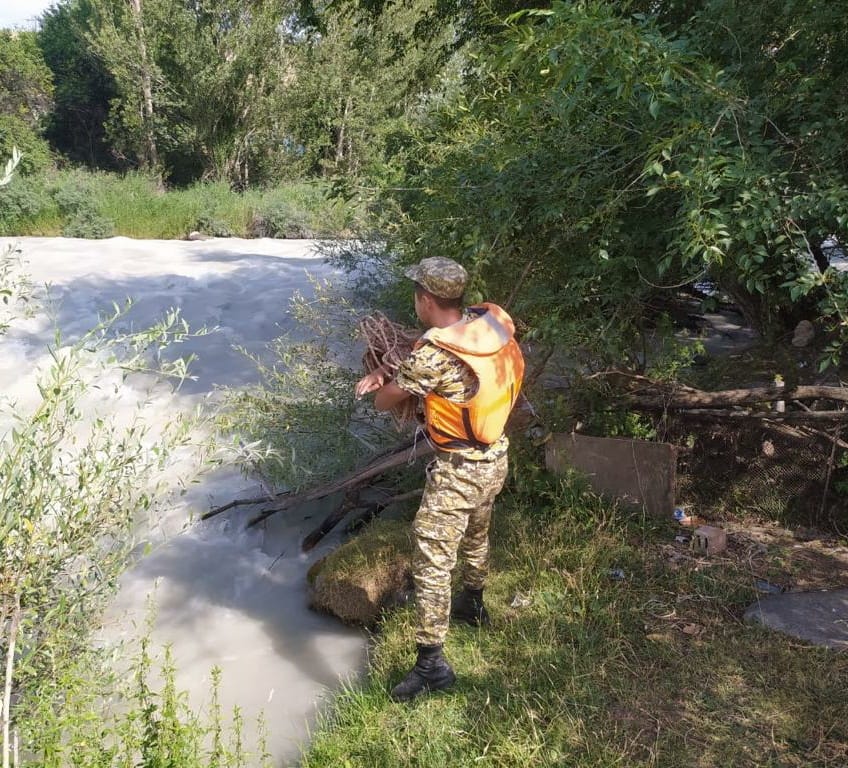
(20, 13)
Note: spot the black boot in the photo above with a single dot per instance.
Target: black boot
(430, 673)
(468, 608)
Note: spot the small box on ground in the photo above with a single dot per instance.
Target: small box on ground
(709, 540)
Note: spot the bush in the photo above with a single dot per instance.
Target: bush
(75, 196)
(20, 202)
(72, 195)
(89, 224)
(282, 220)
(213, 227)
(35, 151)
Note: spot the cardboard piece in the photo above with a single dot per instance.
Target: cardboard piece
(635, 472)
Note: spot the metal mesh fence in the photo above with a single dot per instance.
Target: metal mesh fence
(753, 470)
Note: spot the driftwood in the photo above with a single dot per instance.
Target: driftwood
(350, 481)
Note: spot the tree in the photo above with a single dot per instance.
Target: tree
(118, 36)
(611, 158)
(196, 84)
(26, 95)
(83, 87)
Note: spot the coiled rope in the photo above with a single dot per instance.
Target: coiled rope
(388, 344)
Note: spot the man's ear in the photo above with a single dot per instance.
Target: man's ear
(429, 300)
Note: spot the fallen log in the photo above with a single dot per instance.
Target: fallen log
(352, 480)
(834, 417)
(694, 398)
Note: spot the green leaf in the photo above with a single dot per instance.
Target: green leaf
(654, 108)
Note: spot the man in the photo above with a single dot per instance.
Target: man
(467, 368)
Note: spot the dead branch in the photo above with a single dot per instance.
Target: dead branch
(825, 436)
(635, 382)
(830, 463)
(242, 503)
(406, 446)
(518, 284)
(350, 501)
(352, 480)
(367, 513)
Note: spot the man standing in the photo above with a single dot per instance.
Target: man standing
(467, 368)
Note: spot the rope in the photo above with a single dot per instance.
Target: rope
(388, 344)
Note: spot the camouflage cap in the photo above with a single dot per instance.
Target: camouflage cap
(441, 276)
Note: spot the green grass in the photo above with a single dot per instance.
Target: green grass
(579, 669)
(132, 205)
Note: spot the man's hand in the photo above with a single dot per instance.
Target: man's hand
(389, 394)
(371, 383)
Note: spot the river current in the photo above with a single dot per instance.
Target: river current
(223, 597)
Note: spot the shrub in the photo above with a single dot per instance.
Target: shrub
(35, 152)
(213, 227)
(20, 202)
(89, 224)
(72, 195)
(282, 220)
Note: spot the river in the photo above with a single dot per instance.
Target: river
(223, 597)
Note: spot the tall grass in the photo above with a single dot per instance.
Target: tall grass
(97, 718)
(94, 204)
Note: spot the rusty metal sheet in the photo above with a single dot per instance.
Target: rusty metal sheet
(635, 472)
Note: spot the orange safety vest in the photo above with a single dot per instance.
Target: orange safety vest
(487, 345)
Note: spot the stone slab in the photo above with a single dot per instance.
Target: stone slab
(635, 472)
(820, 618)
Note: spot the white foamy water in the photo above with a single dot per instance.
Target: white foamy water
(224, 597)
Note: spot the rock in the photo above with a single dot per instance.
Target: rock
(820, 618)
(805, 332)
(195, 235)
(806, 534)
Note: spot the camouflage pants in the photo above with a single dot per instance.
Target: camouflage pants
(453, 519)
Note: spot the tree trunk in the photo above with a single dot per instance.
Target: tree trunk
(340, 139)
(150, 154)
(6, 715)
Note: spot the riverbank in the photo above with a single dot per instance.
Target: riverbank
(97, 205)
(611, 644)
